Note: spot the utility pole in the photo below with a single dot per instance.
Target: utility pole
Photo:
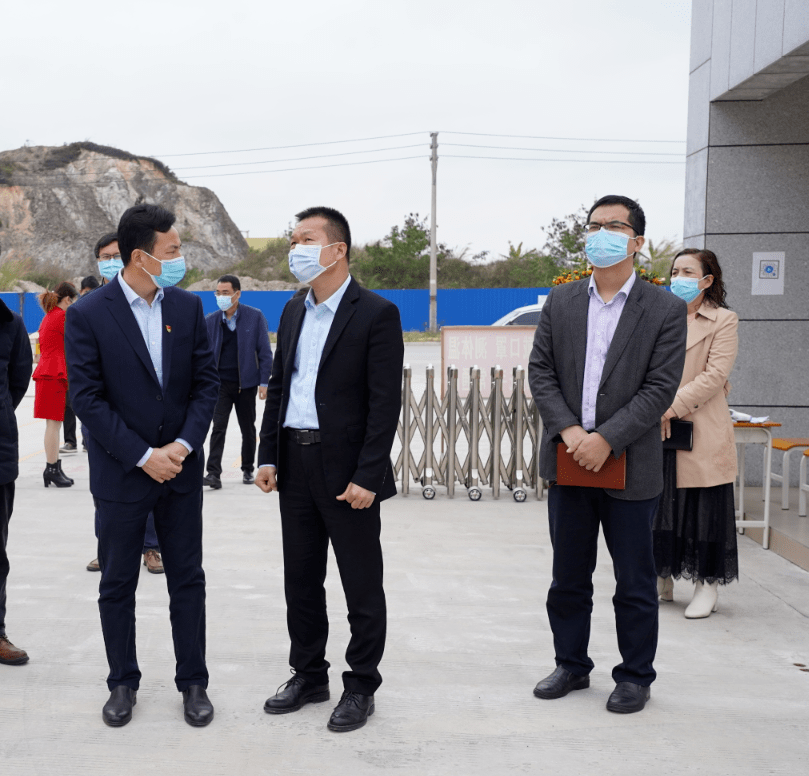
(433, 253)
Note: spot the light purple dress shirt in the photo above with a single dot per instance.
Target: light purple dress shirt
(602, 320)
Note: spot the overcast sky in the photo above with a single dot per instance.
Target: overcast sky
(168, 78)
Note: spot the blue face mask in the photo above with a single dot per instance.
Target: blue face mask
(172, 272)
(687, 288)
(110, 268)
(605, 248)
(224, 302)
(304, 262)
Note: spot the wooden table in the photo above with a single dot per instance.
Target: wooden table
(755, 434)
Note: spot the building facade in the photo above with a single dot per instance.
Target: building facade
(747, 190)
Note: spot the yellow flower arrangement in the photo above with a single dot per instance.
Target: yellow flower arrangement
(579, 274)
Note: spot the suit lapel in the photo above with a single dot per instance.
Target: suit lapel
(344, 312)
(631, 314)
(169, 335)
(579, 309)
(701, 326)
(296, 324)
(125, 318)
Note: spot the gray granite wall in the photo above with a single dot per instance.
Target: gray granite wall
(747, 190)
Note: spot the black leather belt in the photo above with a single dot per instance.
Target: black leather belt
(304, 436)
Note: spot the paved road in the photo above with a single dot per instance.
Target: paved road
(468, 640)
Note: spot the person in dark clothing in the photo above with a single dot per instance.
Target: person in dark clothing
(240, 342)
(16, 363)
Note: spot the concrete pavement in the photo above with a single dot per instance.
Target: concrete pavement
(468, 640)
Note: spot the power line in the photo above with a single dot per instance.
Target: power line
(410, 134)
(317, 167)
(544, 137)
(246, 172)
(564, 150)
(533, 159)
(299, 145)
(299, 158)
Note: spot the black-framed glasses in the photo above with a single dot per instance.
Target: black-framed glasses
(610, 226)
(108, 257)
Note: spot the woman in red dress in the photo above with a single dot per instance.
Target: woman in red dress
(51, 378)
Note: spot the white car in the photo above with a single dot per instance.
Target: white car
(522, 316)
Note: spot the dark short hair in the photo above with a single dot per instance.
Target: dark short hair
(715, 294)
(637, 218)
(233, 280)
(336, 224)
(90, 281)
(138, 227)
(106, 240)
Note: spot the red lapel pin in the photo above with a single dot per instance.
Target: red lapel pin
(168, 328)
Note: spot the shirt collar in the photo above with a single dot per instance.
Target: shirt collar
(332, 303)
(625, 288)
(233, 317)
(131, 296)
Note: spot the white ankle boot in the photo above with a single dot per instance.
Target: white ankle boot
(703, 602)
(665, 588)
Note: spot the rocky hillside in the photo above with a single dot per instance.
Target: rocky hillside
(56, 202)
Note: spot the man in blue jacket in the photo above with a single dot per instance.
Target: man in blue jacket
(142, 378)
(15, 374)
(241, 347)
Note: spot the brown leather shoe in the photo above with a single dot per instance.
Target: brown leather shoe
(94, 565)
(11, 655)
(153, 562)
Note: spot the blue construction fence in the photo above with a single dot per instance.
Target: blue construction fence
(456, 306)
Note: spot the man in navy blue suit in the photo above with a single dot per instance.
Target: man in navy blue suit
(142, 379)
(241, 346)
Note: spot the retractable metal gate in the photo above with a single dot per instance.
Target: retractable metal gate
(474, 440)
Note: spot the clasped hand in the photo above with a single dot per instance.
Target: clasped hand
(589, 449)
(358, 497)
(166, 462)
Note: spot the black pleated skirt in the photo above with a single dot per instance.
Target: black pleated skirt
(695, 530)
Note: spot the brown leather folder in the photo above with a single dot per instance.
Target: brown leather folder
(612, 474)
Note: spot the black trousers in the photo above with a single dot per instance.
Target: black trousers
(574, 515)
(121, 526)
(6, 508)
(245, 402)
(69, 423)
(310, 518)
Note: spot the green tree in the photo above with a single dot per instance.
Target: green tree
(565, 239)
(659, 256)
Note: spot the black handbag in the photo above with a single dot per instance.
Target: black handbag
(682, 435)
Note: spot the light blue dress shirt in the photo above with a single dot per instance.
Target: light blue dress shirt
(317, 321)
(231, 322)
(602, 320)
(150, 322)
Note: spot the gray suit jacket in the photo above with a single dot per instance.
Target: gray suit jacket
(640, 378)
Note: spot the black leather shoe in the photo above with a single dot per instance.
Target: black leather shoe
(560, 683)
(212, 481)
(248, 478)
(628, 698)
(197, 709)
(117, 710)
(351, 712)
(297, 692)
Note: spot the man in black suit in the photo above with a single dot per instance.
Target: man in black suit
(606, 363)
(15, 375)
(333, 404)
(142, 379)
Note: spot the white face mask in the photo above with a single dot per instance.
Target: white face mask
(304, 262)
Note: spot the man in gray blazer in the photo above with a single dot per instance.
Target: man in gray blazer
(606, 363)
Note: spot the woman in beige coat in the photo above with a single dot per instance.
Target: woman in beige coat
(695, 525)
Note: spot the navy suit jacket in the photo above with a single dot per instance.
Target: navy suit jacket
(252, 338)
(15, 374)
(115, 391)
